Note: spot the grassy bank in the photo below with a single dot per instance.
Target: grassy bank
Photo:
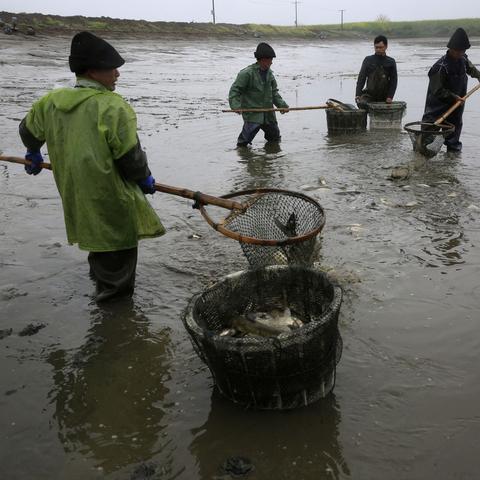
(51, 24)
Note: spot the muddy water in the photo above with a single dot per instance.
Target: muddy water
(118, 392)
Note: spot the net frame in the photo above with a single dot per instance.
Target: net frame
(255, 195)
(264, 228)
(418, 131)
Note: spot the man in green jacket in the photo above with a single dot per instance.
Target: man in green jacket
(256, 87)
(99, 166)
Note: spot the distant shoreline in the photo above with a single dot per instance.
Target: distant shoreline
(58, 25)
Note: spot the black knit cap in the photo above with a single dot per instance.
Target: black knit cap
(459, 40)
(89, 51)
(264, 50)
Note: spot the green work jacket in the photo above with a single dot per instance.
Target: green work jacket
(250, 91)
(86, 129)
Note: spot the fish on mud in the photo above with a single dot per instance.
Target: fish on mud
(400, 172)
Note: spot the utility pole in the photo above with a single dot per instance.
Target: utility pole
(341, 13)
(296, 12)
(213, 11)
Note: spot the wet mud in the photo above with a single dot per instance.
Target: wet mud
(118, 392)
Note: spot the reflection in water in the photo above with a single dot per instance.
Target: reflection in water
(301, 443)
(262, 166)
(440, 198)
(108, 395)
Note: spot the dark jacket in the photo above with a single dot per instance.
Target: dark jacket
(380, 73)
(447, 81)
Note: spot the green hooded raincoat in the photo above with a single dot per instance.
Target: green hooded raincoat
(250, 91)
(103, 211)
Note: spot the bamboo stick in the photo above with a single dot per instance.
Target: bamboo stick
(248, 110)
(199, 197)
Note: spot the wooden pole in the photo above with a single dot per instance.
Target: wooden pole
(199, 197)
(456, 105)
(246, 110)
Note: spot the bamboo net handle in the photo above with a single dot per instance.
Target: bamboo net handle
(290, 109)
(199, 197)
(456, 105)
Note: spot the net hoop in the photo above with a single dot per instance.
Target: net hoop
(258, 193)
(419, 128)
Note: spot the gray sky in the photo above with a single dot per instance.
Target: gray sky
(278, 12)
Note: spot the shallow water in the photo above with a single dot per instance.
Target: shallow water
(100, 391)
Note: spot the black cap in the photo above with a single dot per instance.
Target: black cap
(89, 51)
(264, 50)
(459, 40)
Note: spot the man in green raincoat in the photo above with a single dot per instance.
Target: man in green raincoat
(99, 166)
(256, 87)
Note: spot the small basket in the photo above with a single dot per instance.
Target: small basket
(386, 115)
(291, 370)
(428, 138)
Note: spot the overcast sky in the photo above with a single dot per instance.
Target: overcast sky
(278, 12)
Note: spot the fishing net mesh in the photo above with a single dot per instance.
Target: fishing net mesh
(428, 138)
(290, 370)
(285, 224)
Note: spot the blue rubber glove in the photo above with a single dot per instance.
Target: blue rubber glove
(147, 185)
(35, 167)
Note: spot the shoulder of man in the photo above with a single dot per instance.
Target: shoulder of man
(248, 69)
(440, 64)
(113, 98)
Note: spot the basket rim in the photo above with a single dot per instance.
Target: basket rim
(386, 105)
(253, 340)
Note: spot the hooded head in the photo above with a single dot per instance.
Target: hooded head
(264, 50)
(91, 52)
(459, 40)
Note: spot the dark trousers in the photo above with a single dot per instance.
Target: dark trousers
(249, 130)
(453, 142)
(114, 273)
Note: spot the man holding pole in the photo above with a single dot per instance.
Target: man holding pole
(256, 88)
(99, 166)
(448, 84)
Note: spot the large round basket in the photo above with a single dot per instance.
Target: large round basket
(290, 370)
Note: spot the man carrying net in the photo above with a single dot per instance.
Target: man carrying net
(99, 166)
(448, 84)
(256, 88)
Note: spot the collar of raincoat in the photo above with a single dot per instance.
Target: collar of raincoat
(89, 83)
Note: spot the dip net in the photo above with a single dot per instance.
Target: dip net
(276, 227)
(428, 138)
(288, 370)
